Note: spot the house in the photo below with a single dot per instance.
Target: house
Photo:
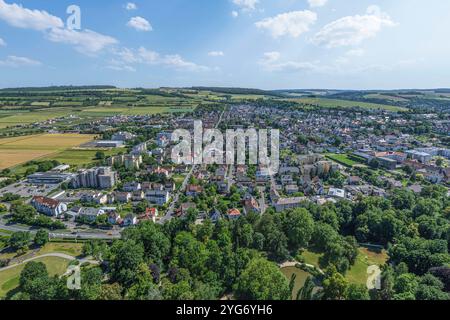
(132, 186)
(291, 189)
(288, 203)
(129, 220)
(98, 198)
(122, 197)
(234, 213)
(251, 205)
(91, 214)
(137, 196)
(336, 193)
(114, 218)
(186, 206)
(354, 180)
(150, 214)
(159, 197)
(48, 206)
(193, 190)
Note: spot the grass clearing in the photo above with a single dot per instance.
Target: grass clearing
(9, 279)
(72, 249)
(347, 160)
(366, 257)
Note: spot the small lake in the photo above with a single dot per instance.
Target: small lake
(299, 281)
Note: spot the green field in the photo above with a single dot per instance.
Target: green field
(334, 103)
(346, 159)
(358, 272)
(9, 279)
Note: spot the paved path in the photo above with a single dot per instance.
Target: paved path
(374, 277)
(54, 254)
(295, 263)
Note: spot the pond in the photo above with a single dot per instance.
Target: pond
(299, 280)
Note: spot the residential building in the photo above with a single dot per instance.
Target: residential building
(48, 206)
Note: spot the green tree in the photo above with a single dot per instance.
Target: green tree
(299, 226)
(262, 280)
(41, 237)
(20, 240)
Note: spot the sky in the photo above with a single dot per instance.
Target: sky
(267, 44)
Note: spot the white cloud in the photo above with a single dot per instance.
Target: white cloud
(140, 24)
(131, 6)
(271, 62)
(292, 23)
(20, 17)
(85, 41)
(352, 30)
(246, 5)
(317, 3)
(216, 54)
(355, 52)
(234, 14)
(14, 61)
(127, 59)
(2, 43)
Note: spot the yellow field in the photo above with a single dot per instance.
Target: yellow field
(18, 150)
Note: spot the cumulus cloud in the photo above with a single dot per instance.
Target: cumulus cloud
(216, 54)
(127, 59)
(246, 5)
(140, 24)
(85, 41)
(317, 3)
(20, 17)
(292, 23)
(14, 61)
(234, 14)
(352, 30)
(130, 6)
(2, 43)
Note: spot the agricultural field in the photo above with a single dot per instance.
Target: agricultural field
(335, 103)
(18, 150)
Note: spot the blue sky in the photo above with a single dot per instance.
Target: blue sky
(269, 44)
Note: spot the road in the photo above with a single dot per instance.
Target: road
(171, 210)
(63, 234)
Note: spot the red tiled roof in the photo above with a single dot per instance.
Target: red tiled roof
(48, 202)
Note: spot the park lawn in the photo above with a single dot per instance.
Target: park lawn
(358, 272)
(311, 257)
(299, 280)
(9, 279)
(19, 150)
(72, 249)
(335, 103)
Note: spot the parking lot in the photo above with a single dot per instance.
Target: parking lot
(27, 190)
